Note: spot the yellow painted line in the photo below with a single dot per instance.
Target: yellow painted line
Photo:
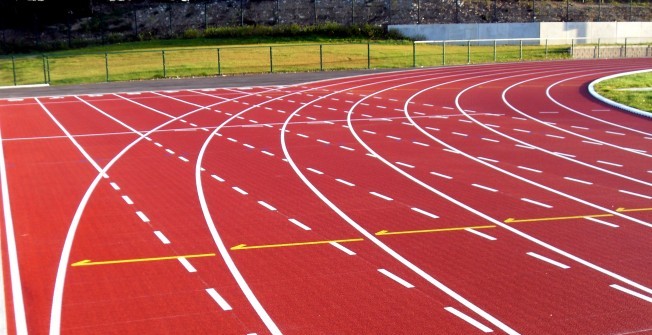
(423, 231)
(620, 210)
(296, 244)
(88, 262)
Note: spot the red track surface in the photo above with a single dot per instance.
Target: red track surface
(440, 201)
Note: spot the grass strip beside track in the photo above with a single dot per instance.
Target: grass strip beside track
(633, 90)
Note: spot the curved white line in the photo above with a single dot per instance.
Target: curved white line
(613, 103)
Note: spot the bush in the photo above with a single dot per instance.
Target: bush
(191, 33)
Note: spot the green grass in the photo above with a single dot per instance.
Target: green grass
(612, 89)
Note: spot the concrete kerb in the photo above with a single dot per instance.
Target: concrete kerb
(613, 103)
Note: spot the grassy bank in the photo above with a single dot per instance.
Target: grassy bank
(619, 90)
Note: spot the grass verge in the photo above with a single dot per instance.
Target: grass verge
(620, 90)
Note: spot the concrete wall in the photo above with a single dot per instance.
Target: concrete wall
(609, 32)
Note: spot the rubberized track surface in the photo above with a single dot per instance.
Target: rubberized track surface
(461, 200)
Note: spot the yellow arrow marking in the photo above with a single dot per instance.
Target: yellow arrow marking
(296, 244)
(385, 232)
(620, 210)
(88, 262)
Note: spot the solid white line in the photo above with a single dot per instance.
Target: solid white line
(564, 154)
(405, 164)
(127, 200)
(381, 196)
(428, 214)
(299, 224)
(239, 190)
(187, 264)
(184, 159)
(266, 205)
(469, 320)
(396, 278)
(142, 216)
(579, 181)
(483, 235)
(490, 140)
(440, 175)
(342, 248)
(524, 146)
(529, 169)
(536, 203)
(346, 148)
(485, 187)
(267, 153)
(115, 186)
(610, 163)
(591, 142)
(218, 299)
(636, 194)
(630, 292)
(451, 151)
(314, 170)
(548, 260)
(161, 237)
(488, 159)
(217, 178)
(344, 182)
(421, 144)
(609, 224)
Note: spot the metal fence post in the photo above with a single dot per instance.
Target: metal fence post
(572, 47)
(106, 65)
(495, 59)
(45, 76)
(13, 68)
(271, 61)
(625, 47)
(368, 56)
(468, 52)
(163, 58)
(321, 57)
(47, 66)
(520, 50)
(414, 54)
(443, 52)
(219, 65)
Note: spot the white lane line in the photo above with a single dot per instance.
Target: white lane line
(429, 105)
(459, 134)
(381, 196)
(161, 237)
(529, 169)
(579, 181)
(548, 260)
(192, 124)
(266, 205)
(536, 203)
(555, 136)
(591, 142)
(127, 200)
(522, 130)
(393, 137)
(636, 194)
(299, 224)
(431, 128)
(393, 99)
(490, 140)
(345, 182)
(366, 115)
(381, 107)
(630, 292)
(419, 113)
(488, 159)
(302, 135)
(342, 248)
(405, 164)
(492, 125)
(469, 320)
(249, 146)
(548, 112)
(115, 186)
(232, 140)
(239, 190)
(184, 159)
(614, 133)
(218, 299)
(483, 235)
(440, 175)
(323, 141)
(314, 170)
(186, 264)
(369, 132)
(407, 124)
(346, 148)
(485, 187)
(421, 144)
(524, 146)
(142, 216)
(610, 163)
(465, 121)
(578, 127)
(396, 278)
(602, 222)
(217, 178)
(170, 151)
(451, 151)
(370, 155)
(267, 153)
(519, 118)
(428, 214)
(446, 107)
(564, 154)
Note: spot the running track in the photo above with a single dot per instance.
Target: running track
(460, 200)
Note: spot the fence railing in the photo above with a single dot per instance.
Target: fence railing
(217, 61)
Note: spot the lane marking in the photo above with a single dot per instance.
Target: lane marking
(267, 153)
(302, 135)
(529, 169)
(465, 120)
(522, 130)
(218, 299)
(424, 231)
(421, 211)
(239, 190)
(343, 248)
(614, 133)
(405, 165)
(591, 142)
(344, 182)
(578, 127)
(299, 224)
(630, 292)
(369, 132)
(158, 144)
(485, 188)
(396, 278)
(440, 175)
(620, 210)
(488, 159)
(536, 202)
(170, 151)
(142, 216)
(610, 163)
(564, 154)
(548, 260)
(161, 237)
(232, 140)
(393, 137)
(421, 144)
(555, 136)
(249, 146)
(483, 235)
(314, 170)
(602, 222)
(579, 181)
(115, 186)
(636, 194)
(323, 141)
(469, 320)
(217, 178)
(381, 196)
(184, 159)
(346, 148)
(490, 140)
(294, 244)
(266, 205)
(88, 262)
(519, 118)
(127, 200)
(459, 134)
(431, 128)
(187, 264)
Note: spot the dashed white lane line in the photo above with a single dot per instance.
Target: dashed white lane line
(483, 235)
(267, 153)
(578, 127)
(564, 154)
(266, 205)
(579, 181)
(548, 260)
(342, 248)
(239, 190)
(469, 320)
(529, 169)
(393, 137)
(405, 165)
(446, 107)
(299, 224)
(192, 124)
(345, 182)
(451, 151)
(249, 146)
(432, 128)
(186, 264)
(602, 222)
(492, 125)
(555, 136)
(465, 121)
(459, 134)
(232, 139)
(490, 140)
(115, 186)
(485, 187)
(253, 121)
(161, 237)
(591, 142)
(614, 133)
(314, 171)
(636, 194)
(142, 216)
(421, 144)
(630, 292)
(610, 163)
(184, 159)
(346, 148)
(217, 178)
(519, 118)
(440, 175)
(384, 197)
(127, 200)
(428, 214)
(419, 113)
(524, 146)
(323, 141)
(488, 159)
(170, 151)
(396, 278)
(548, 112)
(158, 144)
(369, 132)
(302, 135)
(536, 203)
(218, 299)
(522, 130)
